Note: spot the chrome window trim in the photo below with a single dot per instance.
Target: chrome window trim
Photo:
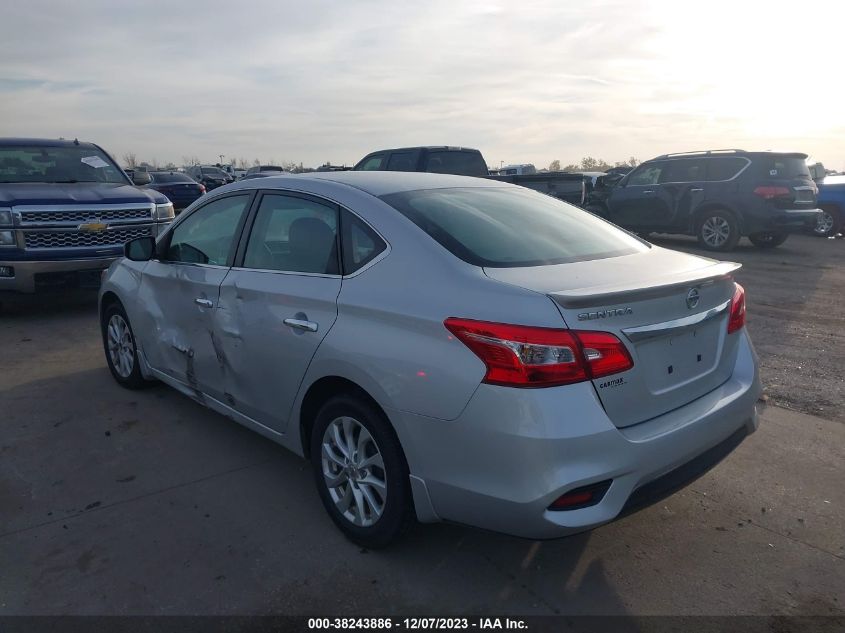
(340, 206)
(685, 182)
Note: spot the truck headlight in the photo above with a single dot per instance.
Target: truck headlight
(5, 217)
(164, 212)
(7, 238)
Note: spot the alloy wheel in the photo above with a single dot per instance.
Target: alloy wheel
(715, 231)
(824, 225)
(353, 471)
(121, 348)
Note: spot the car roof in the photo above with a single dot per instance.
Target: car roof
(450, 148)
(713, 153)
(44, 142)
(375, 183)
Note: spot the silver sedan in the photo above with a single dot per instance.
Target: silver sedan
(441, 348)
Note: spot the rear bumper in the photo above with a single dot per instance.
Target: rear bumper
(27, 273)
(511, 453)
(790, 220)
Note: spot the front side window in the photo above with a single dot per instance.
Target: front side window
(647, 174)
(293, 235)
(361, 244)
(372, 164)
(511, 227)
(207, 236)
(65, 164)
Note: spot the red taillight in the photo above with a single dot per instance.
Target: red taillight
(523, 356)
(773, 192)
(737, 317)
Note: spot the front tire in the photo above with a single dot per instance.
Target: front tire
(360, 471)
(718, 230)
(119, 346)
(829, 223)
(770, 239)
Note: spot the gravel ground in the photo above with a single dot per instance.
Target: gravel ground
(796, 317)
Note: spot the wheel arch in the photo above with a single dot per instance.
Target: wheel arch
(319, 392)
(108, 299)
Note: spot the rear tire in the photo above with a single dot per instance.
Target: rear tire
(770, 239)
(830, 223)
(360, 472)
(718, 230)
(120, 349)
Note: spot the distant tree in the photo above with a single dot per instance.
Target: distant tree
(571, 167)
(631, 162)
(243, 163)
(256, 163)
(554, 165)
(170, 167)
(189, 161)
(130, 160)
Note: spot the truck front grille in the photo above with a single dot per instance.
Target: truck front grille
(66, 239)
(79, 216)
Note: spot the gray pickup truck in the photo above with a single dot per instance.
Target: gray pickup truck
(465, 161)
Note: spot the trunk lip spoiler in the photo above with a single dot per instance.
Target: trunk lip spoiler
(659, 287)
(675, 326)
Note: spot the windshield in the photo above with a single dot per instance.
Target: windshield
(510, 227)
(57, 165)
(213, 171)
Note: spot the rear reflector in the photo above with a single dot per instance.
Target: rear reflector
(523, 356)
(773, 192)
(737, 317)
(583, 497)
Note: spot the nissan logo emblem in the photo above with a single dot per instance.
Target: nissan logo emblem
(693, 298)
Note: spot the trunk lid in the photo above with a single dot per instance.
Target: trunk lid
(668, 308)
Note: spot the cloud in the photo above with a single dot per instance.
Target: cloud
(319, 81)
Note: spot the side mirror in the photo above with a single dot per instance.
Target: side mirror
(141, 249)
(141, 178)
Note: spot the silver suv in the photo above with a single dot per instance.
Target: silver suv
(441, 347)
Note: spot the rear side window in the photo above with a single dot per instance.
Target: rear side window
(511, 227)
(294, 235)
(684, 170)
(371, 164)
(402, 161)
(462, 163)
(647, 174)
(785, 167)
(170, 178)
(361, 244)
(724, 167)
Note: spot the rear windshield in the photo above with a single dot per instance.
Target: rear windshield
(462, 163)
(171, 178)
(785, 167)
(213, 171)
(69, 164)
(511, 227)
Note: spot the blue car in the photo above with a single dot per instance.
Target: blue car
(179, 188)
(66, 210)
(832, 204)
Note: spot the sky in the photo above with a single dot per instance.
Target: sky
(525, 82)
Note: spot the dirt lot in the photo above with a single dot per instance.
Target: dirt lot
(118, 502)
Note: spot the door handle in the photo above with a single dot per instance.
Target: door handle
(648, 191)
(205, 303)
(697, 189)
(308, 326)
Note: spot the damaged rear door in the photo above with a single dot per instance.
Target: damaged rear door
(277, 304)
(179, 291)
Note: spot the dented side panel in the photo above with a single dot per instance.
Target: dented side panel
(177, 332)
(263, 360)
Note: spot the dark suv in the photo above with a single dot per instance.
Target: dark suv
(718, 196)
